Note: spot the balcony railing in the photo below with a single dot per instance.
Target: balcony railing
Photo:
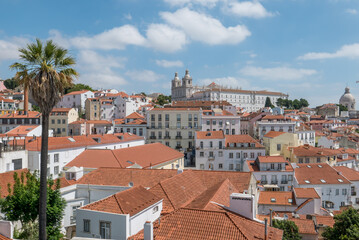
(274, 182)
(211, 158)
(152, 137)
(354, 193)
(284, 182)
(178, 137)
(167, 137)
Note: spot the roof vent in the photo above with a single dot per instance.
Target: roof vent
(130, 184)
(208, 134)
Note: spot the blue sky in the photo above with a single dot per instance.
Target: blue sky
(305, 48)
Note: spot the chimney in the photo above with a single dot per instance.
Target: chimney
(148, 231)
(6, 229)
(265, 229)
(243, 204)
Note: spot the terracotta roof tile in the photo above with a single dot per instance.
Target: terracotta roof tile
(21, 130)
(349, 173)
(253, 167)
(241, 139)
(318, 173)
(123, 176)
(30, 114)
(8, 178)
(271, 159)
(77, 92)
(306, 193)
(60, 110)
(325, 220)
(305, 226)
(310, 151)
(130, 201)
(144, 155)
(273, 134)
(2, 237)
(176, 109)
(276, 198)
(210, 135)
(134, 115)
(199, 103)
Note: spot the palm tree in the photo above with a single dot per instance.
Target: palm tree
(47, 70)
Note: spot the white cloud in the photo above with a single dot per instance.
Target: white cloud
(9, 49)
(247, 9)
(144, 76)
(115, 38)
(57, 37)
(346, 51)
(168, 64)
(204, 28)
(181, 3)
(351, 11)
(99, 71)
(164, 38)
(227, 81)
(128, 16)
(277, 73)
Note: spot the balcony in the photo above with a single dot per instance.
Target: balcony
(284, 182)
(178, 137)
(179, 147)
(190, 137)
(152, 137)
(274, 182)
(264, 182)
(354, 193)
(211, 158)
(167, 137)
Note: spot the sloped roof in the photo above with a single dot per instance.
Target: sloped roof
(144, 155)
(187, 223)
(130, 201)
(134, 115)
(241, 139)
(305, 226)
(349, 173)
(210, 135)
(273, 134)
(271, 159)
(29, 114)
(306, 193)
(77, 92)
(8, 178)
(21, 130)
(325, 220)
(280, 198)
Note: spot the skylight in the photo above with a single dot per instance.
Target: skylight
(309, 166)
(290, 200)
(272, 200)
(71, 139)
(340, 180)
(322, 180)
(320, 166)
(306, 181)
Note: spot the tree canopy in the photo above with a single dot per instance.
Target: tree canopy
(78, 87)
(342, 108)
(11, 83)
(268, 103)
(292, 104)
(162, 100)
(22, 204)
(290, 229)
(346, 226)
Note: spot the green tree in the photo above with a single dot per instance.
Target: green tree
(11, 83)
(162, 100)
(346, 226)
(296, 104)
(50, 71)
(280, 102)
(268, 103)
(78, 87)
(22, 205)
(303, 102)
(342, 107)
(290, 229)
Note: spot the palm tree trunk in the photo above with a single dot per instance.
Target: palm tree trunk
(43, 176)
(26, 98)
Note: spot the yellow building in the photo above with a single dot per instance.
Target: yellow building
(276, 142)
(60, 119)
(310, 154)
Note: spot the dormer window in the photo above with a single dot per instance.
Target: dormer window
(322, 180)
(290, 200)
(273, 200)
(340, 180)
(307, 181)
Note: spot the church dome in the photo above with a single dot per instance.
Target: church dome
(347, 99)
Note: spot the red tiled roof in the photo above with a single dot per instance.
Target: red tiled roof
(30, 114)
(199, 103)
(130, 201)
(280, 198)
(61, 110)
(306, 193)
(210, 135)
(271, 159)
(305, 226)
(318, 173)
(273, 134)
(325, 220)
(120, 94)
(349, 173)
(8, 178)
(144, 155)
(2, 237)
(21, 130)
(78, 92)
(123, 176)
(188, 223)
(253, 167)
(175, 109)
(82, 121)
(241, 139)
(310, 151)
(134, 115)
(80, 141)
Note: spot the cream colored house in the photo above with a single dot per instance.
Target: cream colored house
(275, 142)
(92, 108)
(310, 154)
(60, 119)
(174, 127)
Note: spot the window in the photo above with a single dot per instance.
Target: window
(17, 163)
(245, 155)
(214, 122)
(152, 117)
(201, 166)
(105, 230)
(211, 144)
(318, 159)
(230, 155)
(58, 121)
(201, 154)
(238, 155)
(53, 121)
(56, 170)
(48, 159)
(344, 191)
(220, 154)
(87, 225)
(201, 145)
(178, 117)
(300, 160)
(167, 144)
(336, 192)
(208, 122)
(63, 121)
(306, 160)
(155, 209)
(167, 117)
(211, 154)
(220, 144)
(231, 166)
(159, 117)
(56, 157)
(290, 177)
(190, 117)
(279, 147)
(252, 154)
(220, 166)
